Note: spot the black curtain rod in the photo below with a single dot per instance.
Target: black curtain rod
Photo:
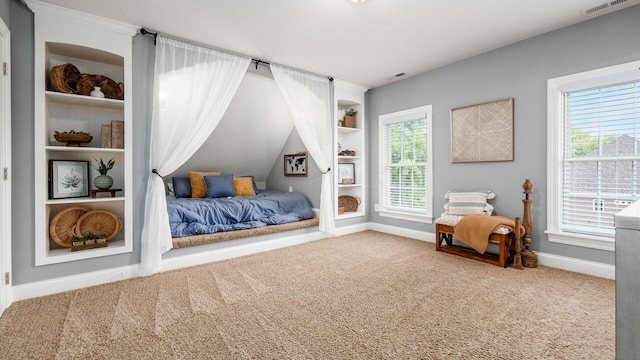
(144, 31)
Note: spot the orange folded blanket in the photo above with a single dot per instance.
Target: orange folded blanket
(474, 230)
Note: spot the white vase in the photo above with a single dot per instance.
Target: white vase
(97, 92)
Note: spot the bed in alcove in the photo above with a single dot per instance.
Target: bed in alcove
(251, 139)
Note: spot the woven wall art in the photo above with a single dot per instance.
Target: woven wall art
(482, 132)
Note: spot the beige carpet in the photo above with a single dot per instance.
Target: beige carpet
(361, 296)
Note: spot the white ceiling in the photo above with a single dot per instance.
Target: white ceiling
(365, 43)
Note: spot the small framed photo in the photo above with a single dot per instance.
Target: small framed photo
(346, 173)
(68, 179)
(295, 165)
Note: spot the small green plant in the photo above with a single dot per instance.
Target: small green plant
(351, 112)
(88, 236)
(72, 132)
(103, 168)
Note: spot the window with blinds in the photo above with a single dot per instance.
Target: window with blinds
(601, 156)
(405, 162)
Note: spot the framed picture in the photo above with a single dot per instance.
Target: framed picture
(295, 164)
(346, 173)
(482, 132)
(68, 179)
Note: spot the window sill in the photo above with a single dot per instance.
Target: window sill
(406, 216)
(582, 240)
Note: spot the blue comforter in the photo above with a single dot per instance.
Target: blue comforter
(189, 217)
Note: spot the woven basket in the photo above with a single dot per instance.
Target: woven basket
(64, 77)
(349, 121)
(61, 226)
(349, 202)
(110, 88)
(99, 222)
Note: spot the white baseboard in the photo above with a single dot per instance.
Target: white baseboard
(78, 281)
(73, 282)
(593, 268)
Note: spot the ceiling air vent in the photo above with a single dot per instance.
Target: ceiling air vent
(602, 6)
(399, 74)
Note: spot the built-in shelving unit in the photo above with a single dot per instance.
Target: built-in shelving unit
(347, 97)
(94, 45)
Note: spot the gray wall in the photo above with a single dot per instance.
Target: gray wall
(520, 71)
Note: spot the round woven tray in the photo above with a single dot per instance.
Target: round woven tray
(349, 202)
(110, 88)
(98, 222)
(61, 226)
(64, 77)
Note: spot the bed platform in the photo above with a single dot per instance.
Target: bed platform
(196, 240)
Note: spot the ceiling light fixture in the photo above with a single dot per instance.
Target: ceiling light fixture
(358, 1)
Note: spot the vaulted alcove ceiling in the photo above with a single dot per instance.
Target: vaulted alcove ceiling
(366, 43)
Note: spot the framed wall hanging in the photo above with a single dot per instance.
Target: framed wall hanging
(68, 179)
(482, 132)
(295, 164)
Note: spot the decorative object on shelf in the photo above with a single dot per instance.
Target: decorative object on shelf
(98, 222)
(64, 78)
(348, 202)
(94, 193)
(340, 210)
(346, 173)
(105, 136)
(97, 92)
(295, 164)
(111, 89)
(350, 118)
(89, 241)
(529, 258)
(73, 138)
(68, 179)
(482, 132)
(103, 181)
(61, 226)
(117, 134)
(347, 152)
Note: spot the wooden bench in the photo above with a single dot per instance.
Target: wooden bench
(504, 241)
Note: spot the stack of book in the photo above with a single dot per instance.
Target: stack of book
(113, 135)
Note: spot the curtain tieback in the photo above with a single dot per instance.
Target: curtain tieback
(328, 169)
(155, 171)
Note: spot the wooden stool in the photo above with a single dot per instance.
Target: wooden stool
(504, 241)
(93, 193)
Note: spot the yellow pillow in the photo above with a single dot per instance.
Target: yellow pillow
(198, 187)
(243, 187)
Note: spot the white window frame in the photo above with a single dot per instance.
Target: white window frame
(425, 216)
(555, 89)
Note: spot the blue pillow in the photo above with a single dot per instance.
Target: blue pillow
(220, 186)
(182, 187)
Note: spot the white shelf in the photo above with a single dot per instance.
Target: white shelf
(349, 157)
(349, 185)
(84, 200)
(81, 100)
(343, 129)
(95, 46)
(348, 215)
(82, 149)
(59, 255)
(350, 97)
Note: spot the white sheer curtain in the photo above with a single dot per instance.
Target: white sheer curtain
(309, 99)
(193, 87)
